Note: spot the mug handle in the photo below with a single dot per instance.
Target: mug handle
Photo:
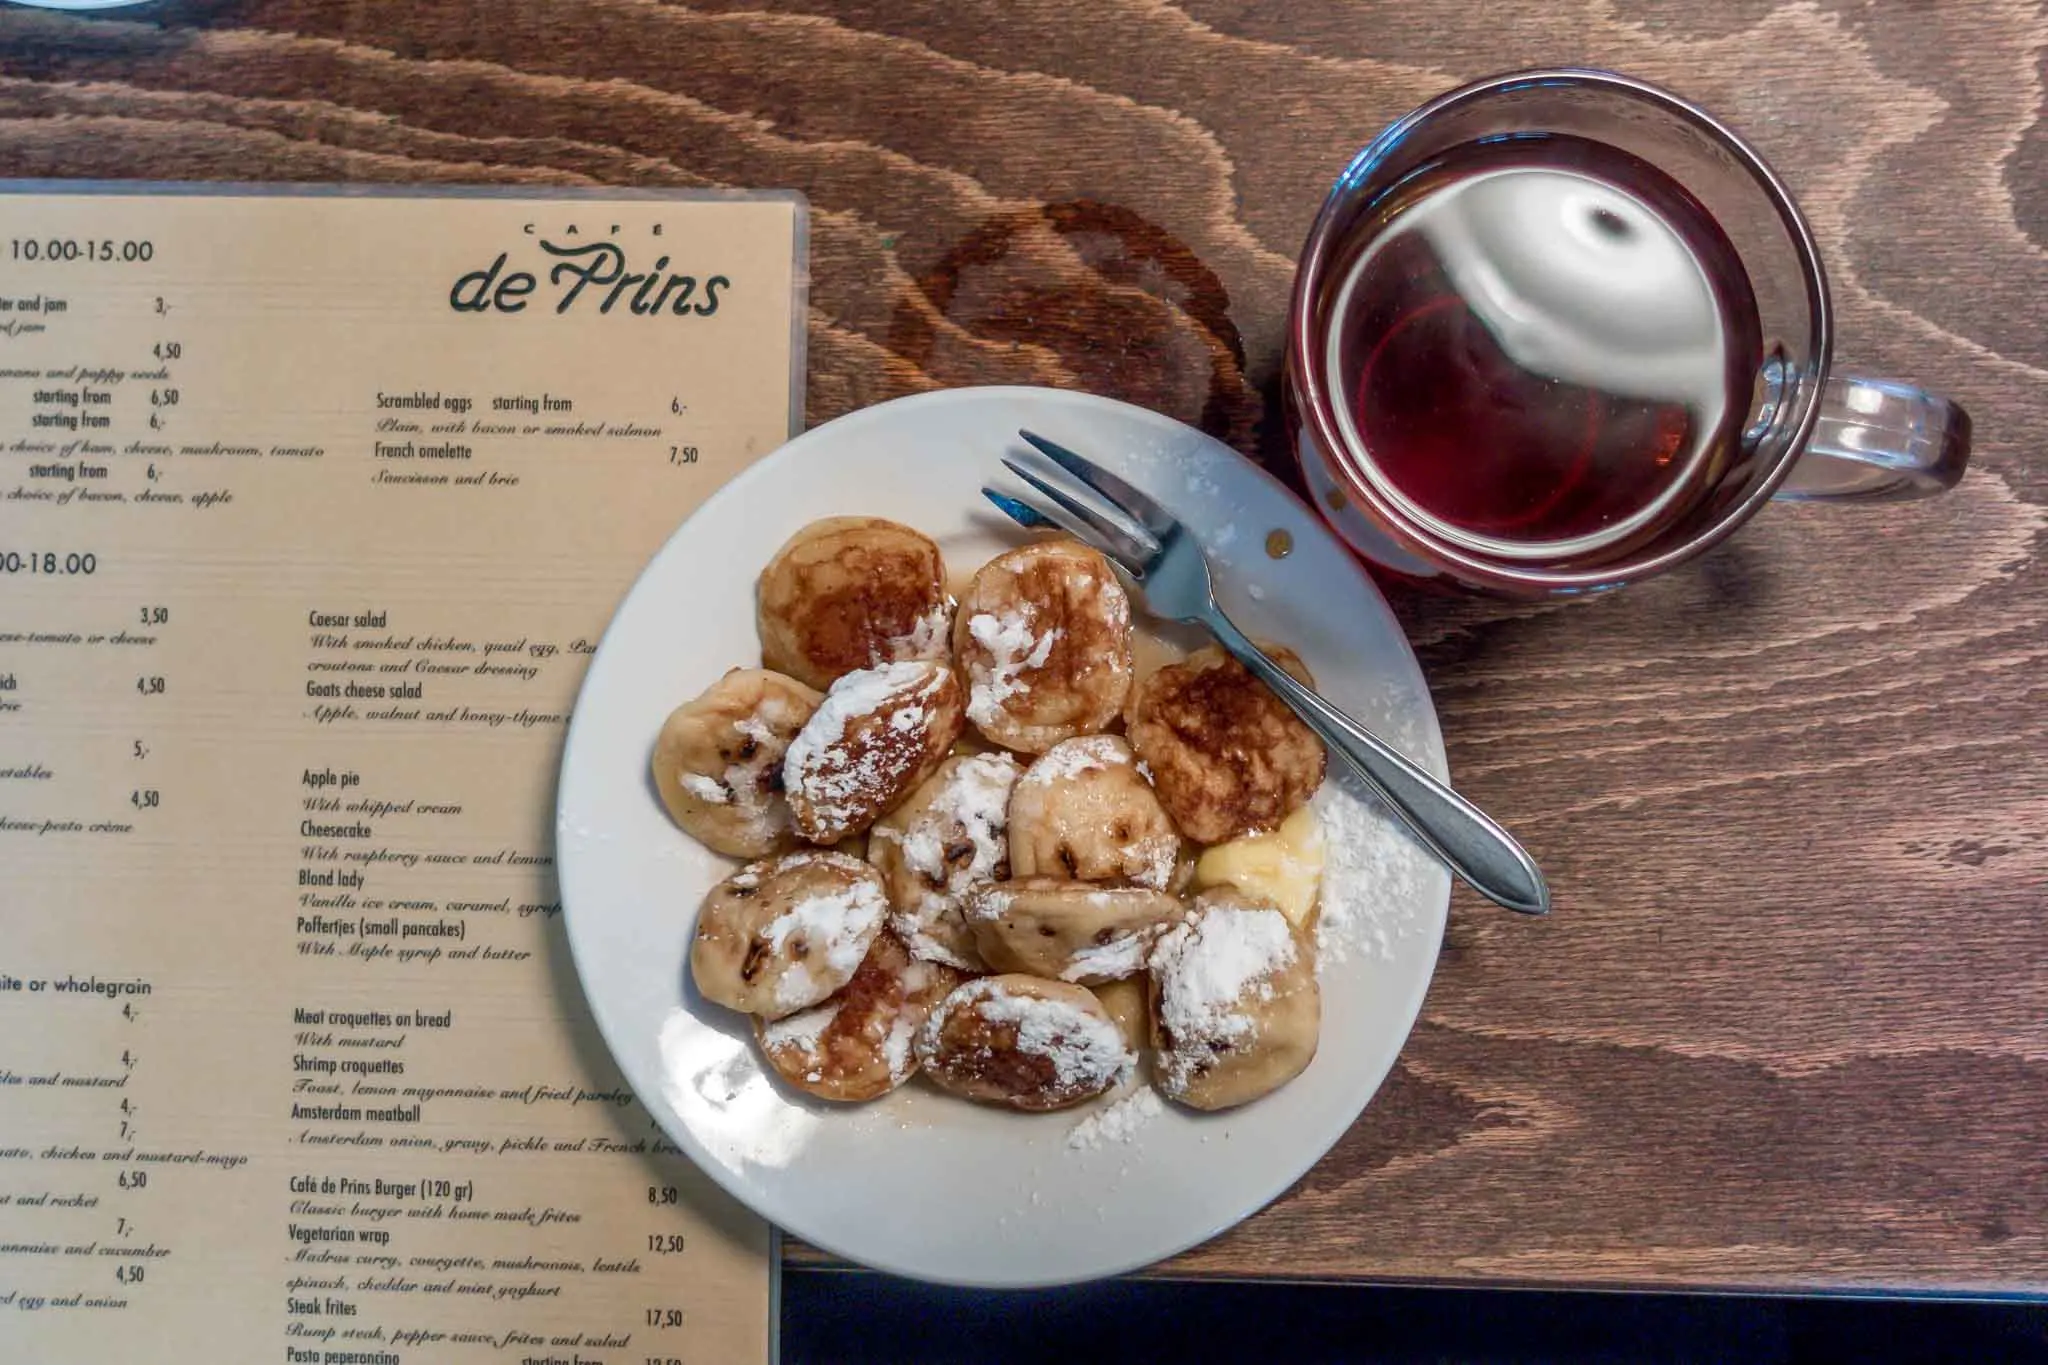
(1879, 441)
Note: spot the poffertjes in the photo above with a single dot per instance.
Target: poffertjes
(1043, 637)
(1023, 1042)
(1082, 810)
(896, 856)
(1236, 1011)
(949, 838)
(1227, 756)
(780, 935)
(861, 1042)
(847, 593)
(877, 735)
(1068, 931)
(718, 761)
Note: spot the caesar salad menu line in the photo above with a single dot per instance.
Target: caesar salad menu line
(312, 508)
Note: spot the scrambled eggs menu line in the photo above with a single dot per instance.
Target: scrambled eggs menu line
(312, 508)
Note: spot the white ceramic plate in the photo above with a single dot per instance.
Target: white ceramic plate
(920, 1183)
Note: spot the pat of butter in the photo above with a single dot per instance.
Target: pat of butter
(1286, 866)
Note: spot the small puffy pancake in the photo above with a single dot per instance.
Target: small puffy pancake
(1044, 638)
(1068, 930)
(877, 735)
(947, 839)
(782, 934)
(847, 593)
(1024, 1043)
(1227, 756)
(1084, 811)
(1236, 1011)
(861, 1043)
(718, 761)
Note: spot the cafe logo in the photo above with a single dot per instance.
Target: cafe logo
(600, 276)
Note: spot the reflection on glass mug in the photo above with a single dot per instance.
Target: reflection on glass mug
(1557, 331)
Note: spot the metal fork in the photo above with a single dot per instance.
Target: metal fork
(1172, 575)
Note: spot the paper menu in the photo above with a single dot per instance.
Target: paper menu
(312, 507)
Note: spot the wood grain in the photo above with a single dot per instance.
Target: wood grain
(1789, 1026)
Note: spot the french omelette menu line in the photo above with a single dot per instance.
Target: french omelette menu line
(312, 509)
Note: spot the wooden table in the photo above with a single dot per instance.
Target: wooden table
(1789, 1025)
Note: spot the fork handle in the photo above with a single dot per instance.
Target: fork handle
(1469, 842)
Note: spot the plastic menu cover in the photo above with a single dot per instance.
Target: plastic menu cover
(313, 505)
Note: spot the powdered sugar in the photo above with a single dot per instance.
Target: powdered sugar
(1086, 1049)
(804, 1030)
(1155, 858)
(967, 818)
(763, 811)
(1211, 963)
(803, 857)
(1013, 650)
(709, 790)
(1373, 876)
(858, 694)
(794, 986)
(927, 638)
(1112, 961)
(836, 925)
(1116, 1122)
(973, 804)
(990, 903)
(747, 783)
(1085, 754)
(927, 946)
(1116, 604)
(897, 1050)
(752, 804)
(924, 851)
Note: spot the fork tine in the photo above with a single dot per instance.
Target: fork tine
(1132, 503)
(1088, 525)
(1017, 510)
(1038, 518)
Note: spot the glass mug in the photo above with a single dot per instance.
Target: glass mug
(1557, 331)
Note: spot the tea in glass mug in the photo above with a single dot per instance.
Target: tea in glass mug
(1556, 331)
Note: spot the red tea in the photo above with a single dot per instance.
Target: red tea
(1544, 348)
